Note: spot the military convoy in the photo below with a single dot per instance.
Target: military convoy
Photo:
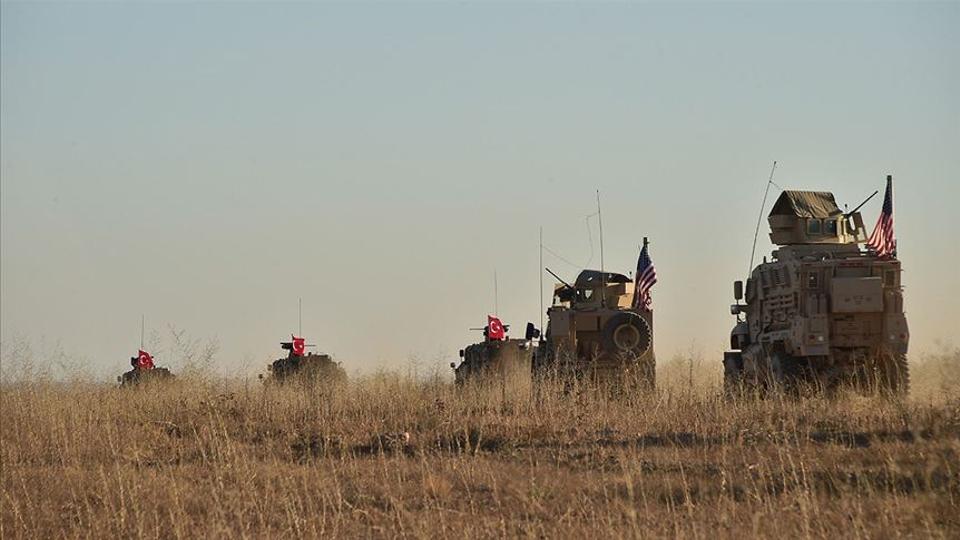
(822, 312)
(595, 334)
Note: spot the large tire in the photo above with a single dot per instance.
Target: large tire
(786, 372)
(626, 333)
(733, 373)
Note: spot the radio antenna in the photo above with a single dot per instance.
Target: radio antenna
(756, 233)
(496, 295)
(541, 277)
(141, 331)
(603, 275)
(300, 317)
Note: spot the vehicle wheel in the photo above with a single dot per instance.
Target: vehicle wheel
(626, 332)
(732, 373)
(785, 371)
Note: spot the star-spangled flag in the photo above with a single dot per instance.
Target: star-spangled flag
(643, 281)
(882, 241)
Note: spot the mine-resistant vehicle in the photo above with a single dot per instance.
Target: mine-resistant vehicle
(595, 333)
(822, 311)
(302, 366)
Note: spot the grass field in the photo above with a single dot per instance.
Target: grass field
(390, 456)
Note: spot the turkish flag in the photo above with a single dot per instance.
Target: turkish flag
(144, 360)
(299, 345)
(495, 330)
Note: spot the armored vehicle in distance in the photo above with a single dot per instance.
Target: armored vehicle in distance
(504, 364)
(822, 311)
(302, 366)
(144, 371)
(594, 332)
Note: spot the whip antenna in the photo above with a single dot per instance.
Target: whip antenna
(603, 275)
(541, 277)
(300, 316)
(496, 295)
(141, 331)
(756, 233)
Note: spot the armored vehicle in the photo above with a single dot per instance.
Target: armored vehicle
(303, 366)
(504, 364)
(595, 332)
(822, 311)
(144, 371)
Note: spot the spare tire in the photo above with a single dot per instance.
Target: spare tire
(626, 332)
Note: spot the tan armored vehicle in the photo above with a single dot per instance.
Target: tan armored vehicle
(594, 332)
(503, 364)
(822, 311)
(302, 366)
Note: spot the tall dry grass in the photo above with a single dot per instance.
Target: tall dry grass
(391, 455)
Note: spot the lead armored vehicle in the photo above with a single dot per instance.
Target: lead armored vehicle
(822, 311)
(595, 333)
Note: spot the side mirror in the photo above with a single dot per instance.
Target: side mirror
(738, 290)
(453, 365)
(532, 332)
(461, 353)
(119, 379)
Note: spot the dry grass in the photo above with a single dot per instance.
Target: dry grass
(203, 459)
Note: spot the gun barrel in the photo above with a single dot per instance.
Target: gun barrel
(569, 286)
(859, 206)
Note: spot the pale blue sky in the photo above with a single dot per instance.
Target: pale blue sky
(209, 163)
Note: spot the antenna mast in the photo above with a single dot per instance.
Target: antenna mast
(541, 277)
(756, 233)
(603, 274)
(496, 295)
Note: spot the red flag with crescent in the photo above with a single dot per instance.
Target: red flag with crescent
(144, 360)
(495, 331)
(299, 345)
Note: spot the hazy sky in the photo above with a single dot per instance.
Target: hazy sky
(208, 164)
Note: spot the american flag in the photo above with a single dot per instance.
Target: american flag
(882, 240)
(645, 278)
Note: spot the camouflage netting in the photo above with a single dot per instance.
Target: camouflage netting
(806, 204)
